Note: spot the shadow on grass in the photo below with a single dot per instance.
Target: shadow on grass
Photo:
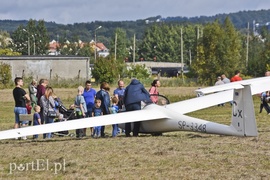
(196, 136)
(108, 137)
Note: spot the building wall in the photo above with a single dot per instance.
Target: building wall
(48, 67)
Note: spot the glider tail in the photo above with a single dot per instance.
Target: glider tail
(243, 114)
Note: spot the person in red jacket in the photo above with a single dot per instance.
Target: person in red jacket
(236, 76)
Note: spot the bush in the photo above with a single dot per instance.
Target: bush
(5, 74)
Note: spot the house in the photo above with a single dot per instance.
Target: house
(53, 45)
(102, 50)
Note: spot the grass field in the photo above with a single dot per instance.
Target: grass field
(175, 155)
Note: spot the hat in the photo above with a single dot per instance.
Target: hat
(219, 77)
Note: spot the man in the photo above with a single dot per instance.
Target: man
(119, 94)
(89, 95)
(20, 98)
(225, 79)
(134, 94)
(236, 76)
(219, 82)
(265, 98)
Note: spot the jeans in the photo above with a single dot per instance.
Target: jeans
(18, 111)
(48, 121)
(36, 135)
(97, 130)
(114, 130)
(89, 112)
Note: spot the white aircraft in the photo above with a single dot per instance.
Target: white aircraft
(158, 119)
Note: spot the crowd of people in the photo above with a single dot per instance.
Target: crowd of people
(224, 80)
(265, 96)
(88, 103)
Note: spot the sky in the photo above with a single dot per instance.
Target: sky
(77, 11)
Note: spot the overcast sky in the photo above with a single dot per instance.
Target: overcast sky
(76, 11)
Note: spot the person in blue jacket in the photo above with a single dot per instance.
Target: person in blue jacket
(104, 96)
(134, 94)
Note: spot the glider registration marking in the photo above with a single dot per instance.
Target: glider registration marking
(192, 126)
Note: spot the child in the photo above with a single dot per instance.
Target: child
(80, 110)
(37, 120)
(114, 109)
(61, 118)
(28, 108)
(97, 111)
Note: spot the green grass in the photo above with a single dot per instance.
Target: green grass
(175, 155)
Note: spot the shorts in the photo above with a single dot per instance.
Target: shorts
(18, 111)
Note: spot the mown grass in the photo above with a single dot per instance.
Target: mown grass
(175, 155)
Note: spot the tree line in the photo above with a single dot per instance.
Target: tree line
(208, 48)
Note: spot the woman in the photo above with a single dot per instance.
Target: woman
(33, 92)
(154, 91)
(47, 103)
(104, 96)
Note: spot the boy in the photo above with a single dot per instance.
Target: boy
(114, 109)
(97, 111)
(37, 119)
(80, 110)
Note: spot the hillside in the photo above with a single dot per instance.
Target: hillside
(85, 31)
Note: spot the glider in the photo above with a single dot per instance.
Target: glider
(171, 117)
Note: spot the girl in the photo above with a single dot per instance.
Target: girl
(154, 91)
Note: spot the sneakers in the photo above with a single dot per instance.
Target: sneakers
(24, 137)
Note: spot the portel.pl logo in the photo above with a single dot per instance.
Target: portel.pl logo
(38, 165)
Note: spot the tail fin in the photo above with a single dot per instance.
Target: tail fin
(243, 114)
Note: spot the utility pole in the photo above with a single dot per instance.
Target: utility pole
(182, 58)
(28, 43)
(197, 40)
(34, 44)
(247, 44)
(115, 46)
(96, 42)
(134, 46)
(190, 57)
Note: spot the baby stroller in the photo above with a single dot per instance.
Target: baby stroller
(64, 115)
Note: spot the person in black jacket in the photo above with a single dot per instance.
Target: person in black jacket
(134, 94)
